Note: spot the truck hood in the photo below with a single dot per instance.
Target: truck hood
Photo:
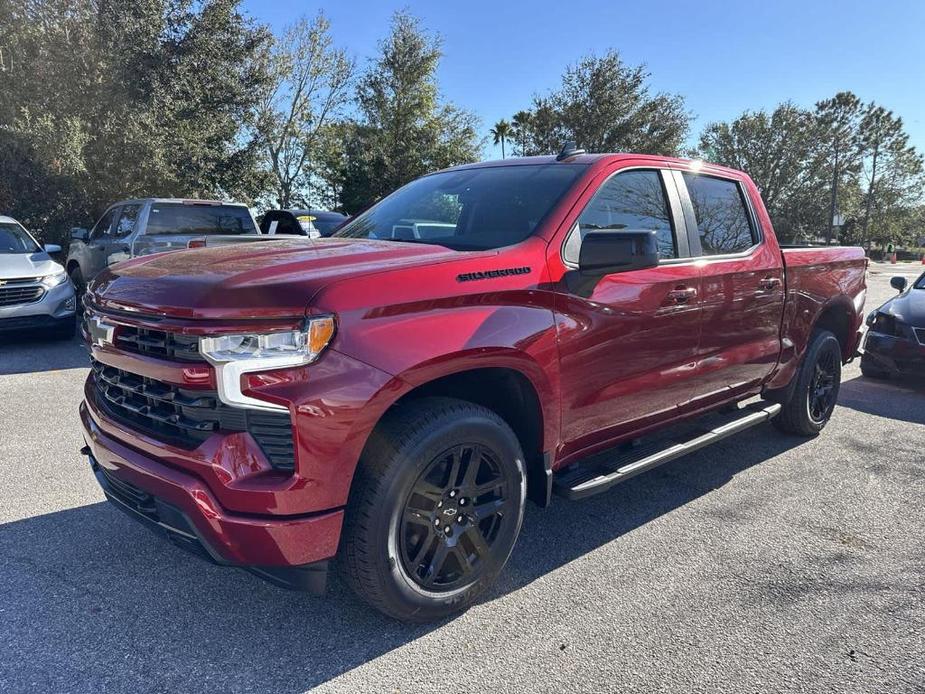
(21, 265)
(271, 279)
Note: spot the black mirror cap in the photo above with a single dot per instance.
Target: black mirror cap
(608, 252)
(899, 283)
(79, 234)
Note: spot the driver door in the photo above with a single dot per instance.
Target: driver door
(98, 244)
(627, 348)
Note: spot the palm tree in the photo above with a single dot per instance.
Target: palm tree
(501, 132)
(521, 122)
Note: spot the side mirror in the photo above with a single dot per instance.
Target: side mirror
(899, 283)
(79, 234)
(52, 248)
(607, 252)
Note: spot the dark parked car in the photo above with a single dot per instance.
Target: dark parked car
(312, 223)
(895, 344)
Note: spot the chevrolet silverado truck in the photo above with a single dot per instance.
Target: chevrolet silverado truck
(387, 403)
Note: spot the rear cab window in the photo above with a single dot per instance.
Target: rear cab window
(633, 200)
(199, 220)
(724, 224)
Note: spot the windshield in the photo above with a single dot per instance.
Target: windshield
(199, 220)
(15, 239)
(920, 282)
(471, 209)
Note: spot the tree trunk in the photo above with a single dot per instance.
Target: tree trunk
(834, 205)
(870, 189)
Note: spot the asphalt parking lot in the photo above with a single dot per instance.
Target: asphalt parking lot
(765, 563)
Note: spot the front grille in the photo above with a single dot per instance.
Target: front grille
(158, 343)
(185, 417)
(10, 295)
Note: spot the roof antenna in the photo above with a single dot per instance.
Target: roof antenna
(569, 149)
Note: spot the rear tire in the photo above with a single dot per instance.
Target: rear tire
(435, 508)
(813, 399)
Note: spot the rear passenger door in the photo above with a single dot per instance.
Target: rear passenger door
(742, 288)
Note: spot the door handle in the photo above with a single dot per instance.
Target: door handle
(769, 283)
(682, 294)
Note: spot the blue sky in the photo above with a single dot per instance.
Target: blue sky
(723, 57)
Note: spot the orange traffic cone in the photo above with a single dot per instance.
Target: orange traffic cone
(923, 258)
(893, 259)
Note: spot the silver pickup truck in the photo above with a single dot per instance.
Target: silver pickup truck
(132, 228)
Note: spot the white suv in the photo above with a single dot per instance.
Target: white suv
(35, 293)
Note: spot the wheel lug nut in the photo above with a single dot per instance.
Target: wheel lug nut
(439, 504)
(460, 519)
(448, 530)
(462, 501)
(452, 493)
(437, 522)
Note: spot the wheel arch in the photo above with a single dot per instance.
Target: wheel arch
(514, 390)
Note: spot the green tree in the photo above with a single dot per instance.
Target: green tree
(837, 122)
(892, 171)
(520, 131)
(500, 133)
(309, 85)
(155, 97)
(404, 129)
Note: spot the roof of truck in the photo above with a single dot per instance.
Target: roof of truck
(602, 159)
(182, 201)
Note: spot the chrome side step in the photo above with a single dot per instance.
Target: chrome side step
(602, 471)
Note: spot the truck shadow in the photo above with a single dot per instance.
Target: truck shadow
(35, 353)
(103, 600)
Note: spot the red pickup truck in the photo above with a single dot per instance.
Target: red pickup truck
(391, 396)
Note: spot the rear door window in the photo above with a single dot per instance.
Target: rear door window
(199, 220)
(723, 222)
(631, 201)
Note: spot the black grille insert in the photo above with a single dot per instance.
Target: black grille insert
(187, 417)
(158, 343)
(11, 295)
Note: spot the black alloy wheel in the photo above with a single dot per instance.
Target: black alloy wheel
(823, 390)
(453, 517)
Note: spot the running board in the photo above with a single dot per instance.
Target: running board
(602, 471)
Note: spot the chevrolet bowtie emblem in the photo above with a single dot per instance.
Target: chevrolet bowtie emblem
(100, 331)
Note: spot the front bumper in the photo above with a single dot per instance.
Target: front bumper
(896, 355)
(283, 549)
(54, 309)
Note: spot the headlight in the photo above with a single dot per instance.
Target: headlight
(235, 355)
(884, 323)
(295, 346)
(53, 280)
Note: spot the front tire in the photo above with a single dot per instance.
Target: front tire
(80, 286)
(435, 509)
(813, 399)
